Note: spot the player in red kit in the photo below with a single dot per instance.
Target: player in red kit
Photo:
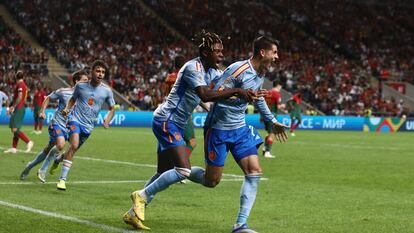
(273, 100)
(294, 112)
(39, 97)
(17, 110)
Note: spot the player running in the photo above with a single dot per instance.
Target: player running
(225, 128)
(170, 118)
(58, 133)
(189, 135)
(86, 101)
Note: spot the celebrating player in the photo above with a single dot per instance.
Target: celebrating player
(89, 97)
(170, 118)
(189, 136)
(58, 132)
(225, 128)
(17, 110)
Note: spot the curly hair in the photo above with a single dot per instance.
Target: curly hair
(205, 40)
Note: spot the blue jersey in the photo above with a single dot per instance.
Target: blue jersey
(183, 99)
(89, 100)
(62, 95)
(230, 114)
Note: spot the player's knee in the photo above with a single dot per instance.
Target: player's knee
(211, 183)
(193, 143)
(183, 171)
(60, 146)
(74, 146)
(254, 171)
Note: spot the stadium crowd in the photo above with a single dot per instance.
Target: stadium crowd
(15, 54)
(331, 65)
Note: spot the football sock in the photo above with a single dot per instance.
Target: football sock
(52, 153)
(23, 137)
(67, 164)
(40, 125)
(15, 141)
(154, 177)
(35, 123)
(167, 178)
(197, 175)
(39, 158)
(247, 197)
(268, 143)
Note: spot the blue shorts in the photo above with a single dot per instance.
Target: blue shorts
(241, 142)
(56, 131)
(75, 127)
(168, 134)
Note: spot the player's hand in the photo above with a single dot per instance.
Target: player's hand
(105, 124)
(262, 93)
(10, 111)
(248, 95)
(279, 131)
(65, 112)
(42, 115)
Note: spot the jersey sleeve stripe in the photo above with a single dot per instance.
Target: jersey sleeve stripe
(240, 70)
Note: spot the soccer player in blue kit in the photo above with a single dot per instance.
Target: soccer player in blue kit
(191, 87)
(87, 100)
(58, 132)
(225, 128)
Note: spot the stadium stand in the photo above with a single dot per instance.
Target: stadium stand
(331, 65)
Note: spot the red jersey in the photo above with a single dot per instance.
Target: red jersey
(39, 97)
(169, 81)
(20, 87)
(297, 98)
(273, 99)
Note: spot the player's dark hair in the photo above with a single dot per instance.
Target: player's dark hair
(263, 42)
(76, 76)
(19, 75)
(205, 40)
(179, 61)
(276, 83)
(103, 65)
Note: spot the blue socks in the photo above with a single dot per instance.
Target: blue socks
(247, 197)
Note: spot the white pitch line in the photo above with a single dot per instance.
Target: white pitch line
(104, 182)
(351, 146)
(65, 217)
(121, 162)
(116, 162)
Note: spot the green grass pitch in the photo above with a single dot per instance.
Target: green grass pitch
(319, 182)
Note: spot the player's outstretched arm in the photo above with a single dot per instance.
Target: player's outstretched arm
(45, 103)
(109, 117)
(279, 131)
(208, 95)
